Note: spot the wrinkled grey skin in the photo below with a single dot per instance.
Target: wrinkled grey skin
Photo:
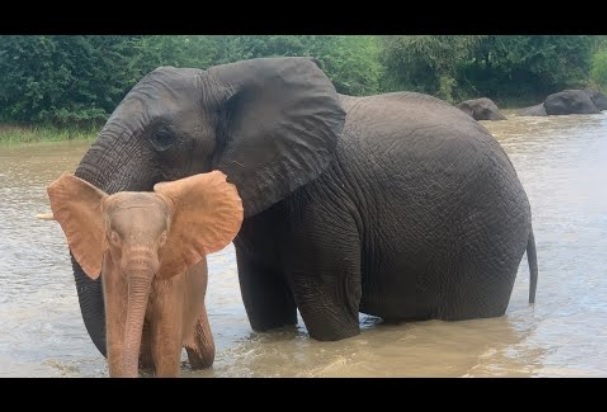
(398, 205)
(568, 102)
(481, 109)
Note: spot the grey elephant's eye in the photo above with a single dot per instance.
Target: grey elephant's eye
(162, 140)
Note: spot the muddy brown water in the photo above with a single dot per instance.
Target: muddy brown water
(562, 162)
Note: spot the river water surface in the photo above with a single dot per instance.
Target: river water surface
(562, 162)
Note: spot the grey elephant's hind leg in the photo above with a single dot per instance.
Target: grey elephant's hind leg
(481, 287)
(265, 294)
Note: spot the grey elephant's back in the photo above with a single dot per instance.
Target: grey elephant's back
(409, 109)
(417, 128)
(407, 148)
(397, 102)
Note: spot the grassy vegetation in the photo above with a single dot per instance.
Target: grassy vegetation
(11, 134)
(15, 134)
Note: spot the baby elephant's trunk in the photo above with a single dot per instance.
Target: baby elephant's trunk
(140, 268)
(139, 285)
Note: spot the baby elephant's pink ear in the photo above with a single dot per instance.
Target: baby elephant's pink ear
(207, 215)
(76, 205)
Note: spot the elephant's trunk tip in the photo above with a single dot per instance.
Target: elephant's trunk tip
(45, 216)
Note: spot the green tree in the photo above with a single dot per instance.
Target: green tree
(178, 51)
(351, 62)
(68, 80)
(598, 72)
(64, 79)
(533, 66)
(426, 64)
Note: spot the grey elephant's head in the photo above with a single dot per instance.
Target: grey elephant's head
(269, 124)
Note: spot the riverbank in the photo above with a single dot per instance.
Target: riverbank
(24, 134)
(17, 134)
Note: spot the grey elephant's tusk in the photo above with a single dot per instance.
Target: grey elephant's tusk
(45, 216)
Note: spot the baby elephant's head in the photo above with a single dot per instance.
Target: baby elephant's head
(136, 227)
(147, 233)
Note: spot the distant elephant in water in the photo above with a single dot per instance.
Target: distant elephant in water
(537, 110)
(568, 102)
(149, 249)
(481, 109)
(398, 205)
(598, 98)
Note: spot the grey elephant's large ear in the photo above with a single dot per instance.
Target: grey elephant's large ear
(278, 128)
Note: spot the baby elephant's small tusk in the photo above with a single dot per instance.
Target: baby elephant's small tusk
(46, 216)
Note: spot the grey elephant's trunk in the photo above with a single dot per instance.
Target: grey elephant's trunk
(110, 163)
(104, 165)
(92, 307)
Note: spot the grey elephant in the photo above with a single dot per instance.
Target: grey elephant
(568, 102)
(482, 108)
(396, 205)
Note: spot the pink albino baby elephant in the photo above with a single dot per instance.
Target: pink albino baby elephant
(150, 250)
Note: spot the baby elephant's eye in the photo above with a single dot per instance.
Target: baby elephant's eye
(115, 238)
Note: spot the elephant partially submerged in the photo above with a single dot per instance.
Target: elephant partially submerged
(482, 108)
(568, 102)
(149, 250)
(397, 205)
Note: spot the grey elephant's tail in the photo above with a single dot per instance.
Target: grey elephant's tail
(532, 259)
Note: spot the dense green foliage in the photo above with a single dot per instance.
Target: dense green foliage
(64, 79)
(78, 80)
(598, 74)
(426, 64)
(599, 68)
(351, 62)
(533, 66)
(499, 67)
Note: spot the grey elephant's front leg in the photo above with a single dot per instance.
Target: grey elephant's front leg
(265, 294)
(325, 273)
(309, 261)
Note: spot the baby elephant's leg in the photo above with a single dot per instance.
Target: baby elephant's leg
(146, 360)
(167, 326)
(198, 341)
(200, 346)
